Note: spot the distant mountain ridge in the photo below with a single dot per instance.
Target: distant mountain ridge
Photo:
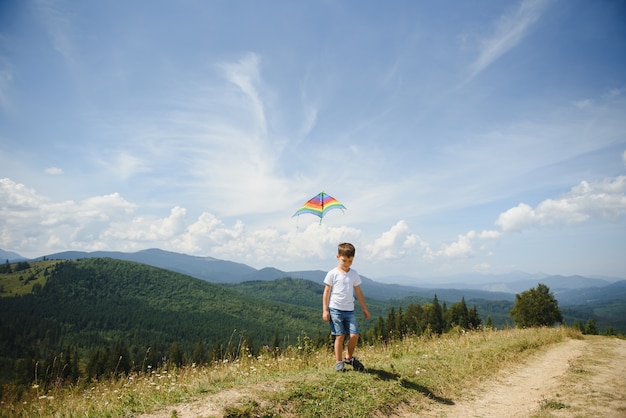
(586, 296)
(206, 268)
(568, 289)
(11, 256)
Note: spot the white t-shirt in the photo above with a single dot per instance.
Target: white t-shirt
(342, 292)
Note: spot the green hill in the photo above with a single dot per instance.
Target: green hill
(102, 305)
(306, 293)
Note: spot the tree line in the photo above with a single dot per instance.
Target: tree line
(428, 319)
(19, 266)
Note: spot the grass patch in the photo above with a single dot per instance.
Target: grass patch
(408, 374)
(552, 404)
(22, 282)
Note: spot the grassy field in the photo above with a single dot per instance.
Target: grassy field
(22, 282)
(300, 382)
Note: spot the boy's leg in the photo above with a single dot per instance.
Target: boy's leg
(339, 347)
(352, 342)
(350, 359)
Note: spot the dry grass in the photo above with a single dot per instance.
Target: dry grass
(405, 374)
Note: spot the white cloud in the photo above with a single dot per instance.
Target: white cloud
(31, 222)
(15, 198)
(602, 200)
(489, 234)
(509, 30)
(55, 171)
(148, 230)
(208, 232)
(399, 242)
(464, 246)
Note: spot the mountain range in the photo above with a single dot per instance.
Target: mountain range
(569, 290)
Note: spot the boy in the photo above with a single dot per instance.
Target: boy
(342, 283)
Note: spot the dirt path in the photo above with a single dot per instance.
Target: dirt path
(577, 378)
(214, 405)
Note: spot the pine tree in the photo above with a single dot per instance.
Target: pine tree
(435, 320)
(177, 356)
(6, 267)
(590, 328)
(489, 324)
(199, 355)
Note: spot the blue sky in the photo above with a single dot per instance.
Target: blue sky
(482, 136)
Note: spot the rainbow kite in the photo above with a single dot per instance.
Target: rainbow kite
(320, 205)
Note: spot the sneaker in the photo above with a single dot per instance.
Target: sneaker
(339, 367)
(356, 364)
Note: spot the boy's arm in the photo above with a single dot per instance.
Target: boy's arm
(325, 300)
(361, 298)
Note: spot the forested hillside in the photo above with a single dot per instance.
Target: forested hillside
(102, 309)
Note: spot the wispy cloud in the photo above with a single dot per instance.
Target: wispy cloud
(123, 164)
(57, 23)
(55, 171)
(508, 32)
(245, 75)
(6, 78)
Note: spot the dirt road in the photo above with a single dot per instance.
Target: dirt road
(577, 378)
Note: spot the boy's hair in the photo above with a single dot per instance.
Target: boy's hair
(346, 250)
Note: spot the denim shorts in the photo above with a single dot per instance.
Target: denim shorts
(342, 322)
